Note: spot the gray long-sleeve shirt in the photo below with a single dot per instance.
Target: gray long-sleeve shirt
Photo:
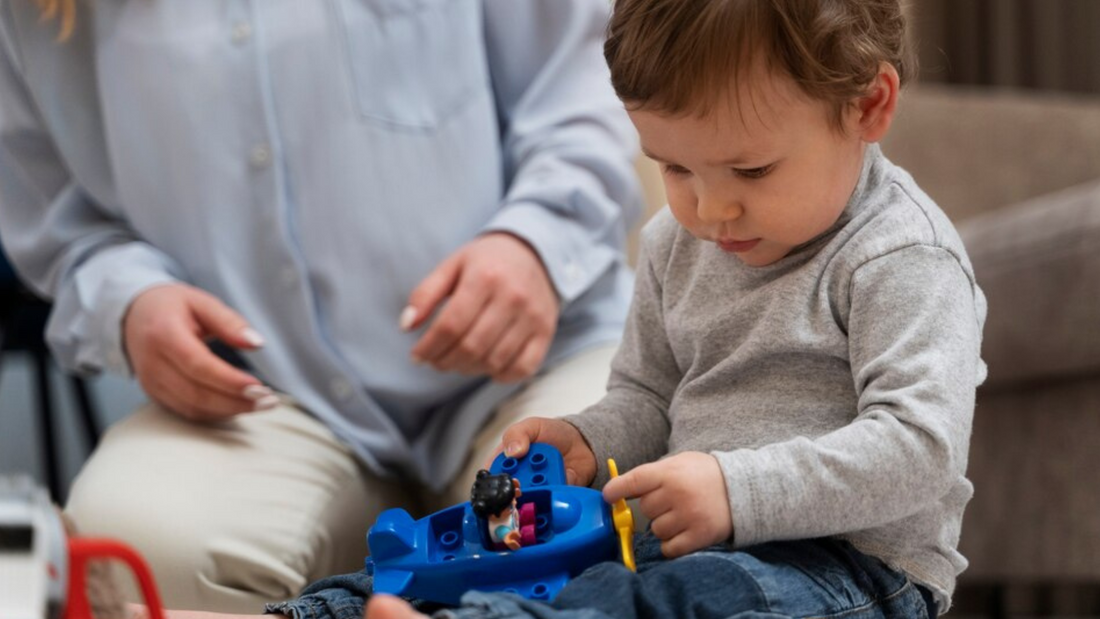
(835, 387)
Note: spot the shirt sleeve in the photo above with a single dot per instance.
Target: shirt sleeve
(631, 422)
(568, 145)
(60, 241)
(914, 337)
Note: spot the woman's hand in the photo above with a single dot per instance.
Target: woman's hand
(500, 315)
(685, 498)
(165, 331)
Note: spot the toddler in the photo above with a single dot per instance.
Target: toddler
(794, 392)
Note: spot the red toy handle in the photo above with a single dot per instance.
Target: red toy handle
(83, 550)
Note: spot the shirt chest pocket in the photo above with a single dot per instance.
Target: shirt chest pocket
(413, 63)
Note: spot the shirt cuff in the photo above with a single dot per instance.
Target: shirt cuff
(571, 255)
(745, 508)
(85, 328)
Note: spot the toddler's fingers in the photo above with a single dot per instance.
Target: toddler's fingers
(654, 504)
(680, 545)
(637, 482)
(667, 526)
(518, 437)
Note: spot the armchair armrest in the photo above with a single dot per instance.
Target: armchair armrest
(1038, 263)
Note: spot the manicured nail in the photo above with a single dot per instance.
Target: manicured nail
(408, 316)
(255, 392)
(252, 336)
(267, 402)
(511, 449)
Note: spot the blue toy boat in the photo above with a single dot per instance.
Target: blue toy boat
(448, 553)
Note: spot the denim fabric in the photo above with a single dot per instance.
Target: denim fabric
(336, 597)
(807, 578)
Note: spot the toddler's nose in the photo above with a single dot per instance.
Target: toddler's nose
(716, 209)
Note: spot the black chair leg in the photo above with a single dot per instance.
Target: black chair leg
(88, 417)
(46, 425)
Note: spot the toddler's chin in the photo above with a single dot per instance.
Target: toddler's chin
(762, 255)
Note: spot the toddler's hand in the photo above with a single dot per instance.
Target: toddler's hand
(684, 496)
(580, 462)
(164, 330)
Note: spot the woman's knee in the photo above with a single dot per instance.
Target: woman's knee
(224, 523)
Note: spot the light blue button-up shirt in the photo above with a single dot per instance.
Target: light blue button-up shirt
(309, 162)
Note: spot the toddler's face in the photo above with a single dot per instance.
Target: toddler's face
(759, 175)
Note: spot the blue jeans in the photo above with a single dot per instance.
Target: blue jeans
(806, 578)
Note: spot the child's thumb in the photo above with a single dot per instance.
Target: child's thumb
(518, 437)
(221, 321)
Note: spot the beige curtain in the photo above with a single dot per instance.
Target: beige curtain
(1042, 44)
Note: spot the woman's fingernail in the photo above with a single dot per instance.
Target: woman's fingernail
(255, 392)
(408, 316)
(252, 336)
(511, 449)
(267, 402)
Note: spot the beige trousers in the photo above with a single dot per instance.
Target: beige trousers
(248, 511)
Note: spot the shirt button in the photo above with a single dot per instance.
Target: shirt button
(340, 388)
(260, 156)
(242, 32)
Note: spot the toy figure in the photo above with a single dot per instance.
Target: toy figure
(493, 498)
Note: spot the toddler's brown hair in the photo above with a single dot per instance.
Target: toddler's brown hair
(680, 56)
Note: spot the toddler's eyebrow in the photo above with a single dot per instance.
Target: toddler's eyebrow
(647, 153)
(734, 161)
(749, 158)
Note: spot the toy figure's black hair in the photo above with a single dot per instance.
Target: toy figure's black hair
(491, 493)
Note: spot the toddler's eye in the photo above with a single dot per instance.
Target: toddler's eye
(675, 170)
(754, 172)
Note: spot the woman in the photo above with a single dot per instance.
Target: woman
(406, 216)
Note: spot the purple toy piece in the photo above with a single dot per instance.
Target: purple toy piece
(527, 524)
(527, 514)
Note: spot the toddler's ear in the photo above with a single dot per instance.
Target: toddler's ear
(876, 108)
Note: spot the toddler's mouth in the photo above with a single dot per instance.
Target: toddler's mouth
(736, 247)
